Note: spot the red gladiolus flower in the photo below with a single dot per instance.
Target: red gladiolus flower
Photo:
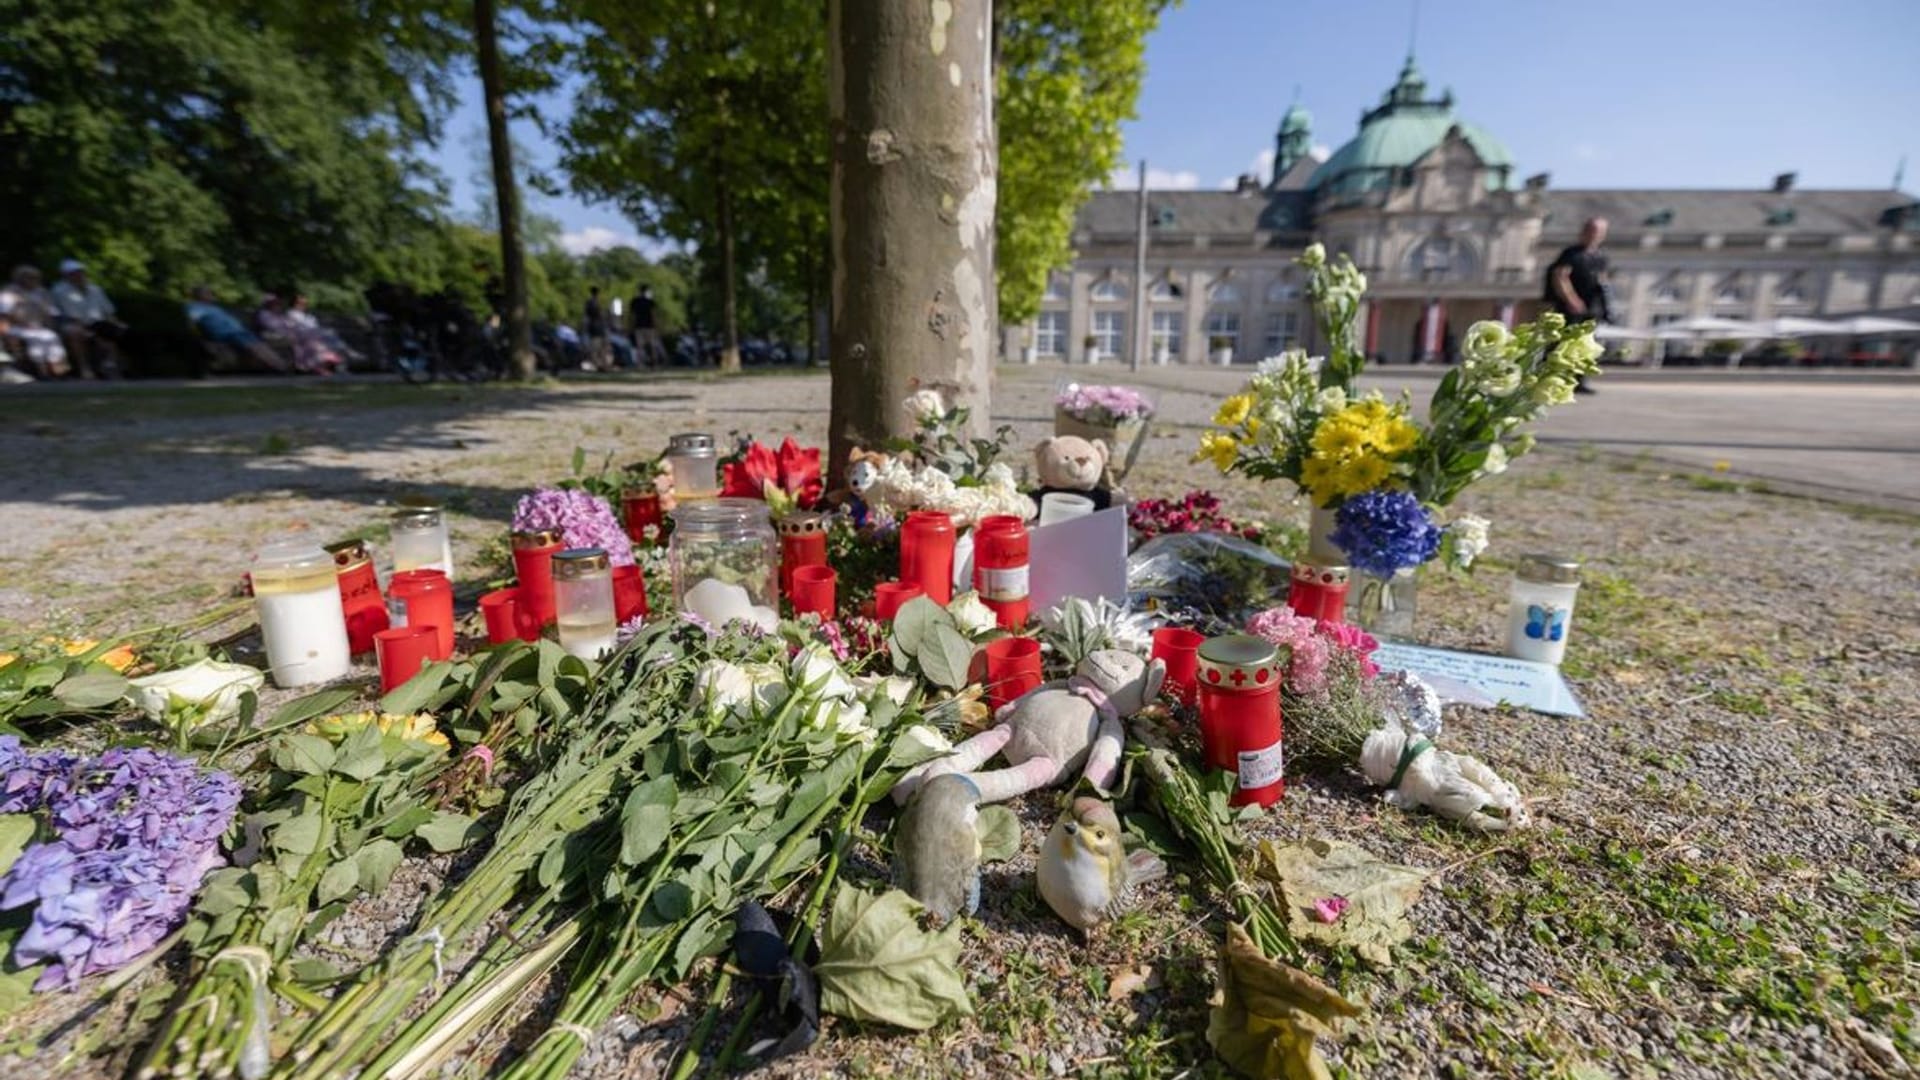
(794, 470)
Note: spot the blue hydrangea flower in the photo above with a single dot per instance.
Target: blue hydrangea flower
(1385, 531)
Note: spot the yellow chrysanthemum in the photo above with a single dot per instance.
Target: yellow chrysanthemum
(1234, 410)
(1220, 448)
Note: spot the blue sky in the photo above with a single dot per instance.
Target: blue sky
(1606, 93)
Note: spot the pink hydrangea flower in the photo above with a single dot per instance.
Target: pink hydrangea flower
(1307, 670)
(1352, 639)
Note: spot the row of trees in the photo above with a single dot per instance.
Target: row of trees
(251, 142)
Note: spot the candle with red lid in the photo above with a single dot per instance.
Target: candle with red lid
(926, 554)
(1318, 591)
(423, 598)
(803, 542)
(1239, 679)
(533, 554)
(360, 599)
(1000, 565)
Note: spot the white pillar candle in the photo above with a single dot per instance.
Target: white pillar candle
(1540, 608)
(302, 623)
(1059, 506)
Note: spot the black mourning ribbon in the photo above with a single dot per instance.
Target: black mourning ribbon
(761, 952)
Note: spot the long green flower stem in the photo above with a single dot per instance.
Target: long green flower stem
(358, 1020)
(605, 978)
(217, 1023)
(1185, 806)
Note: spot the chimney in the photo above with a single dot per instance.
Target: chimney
(1538, 181)
(1247, 184)
(1783, 183)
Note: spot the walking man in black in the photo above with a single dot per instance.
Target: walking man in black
(646, 337)
(1577, 285)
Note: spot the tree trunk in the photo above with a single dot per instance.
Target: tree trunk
(729, 290)
(910, 91)
(506, 194)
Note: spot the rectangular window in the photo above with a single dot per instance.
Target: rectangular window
(1223, 331)
(1109, 332)
(1167, 329)
(1283, 329)
(1050, 333)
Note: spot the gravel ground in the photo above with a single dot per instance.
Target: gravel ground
(1724, 879)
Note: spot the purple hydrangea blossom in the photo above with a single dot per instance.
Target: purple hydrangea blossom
(135, 832)
(1104, 404)
(583, 520)
(1385, 531)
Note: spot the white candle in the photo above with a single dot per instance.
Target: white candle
(297, 598)
(1058, 506)
(1540, 608)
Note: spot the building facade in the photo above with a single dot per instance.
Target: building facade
(1427, 204)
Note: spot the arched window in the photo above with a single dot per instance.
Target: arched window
(1107, 291)
(1791, 292)
(1056, 287)
(1730, 293)
(1441, 258)
(1166, 290)
(1282, 292)
(1225, 292)
(1668, 292)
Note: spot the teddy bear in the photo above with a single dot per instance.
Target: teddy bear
(863, 468)
(1054, 732)
(1072, 464)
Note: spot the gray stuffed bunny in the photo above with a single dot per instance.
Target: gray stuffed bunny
(1054, 732)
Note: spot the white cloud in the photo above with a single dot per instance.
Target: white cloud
(1320, 151)
(596, 238)
(1127, 178)
(1589, 152)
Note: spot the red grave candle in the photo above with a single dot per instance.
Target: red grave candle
(533, 554)
(803, 542)
(640, 509)
(1239, 680)
(629, 594)
(423, 598)
(1318, 591)
(926, 554)
(360, 599)
(501, 609)
(1000, 568)
(1013, 668)
(402, 652)
(889, 595)
(812, 591)
(1179, 649)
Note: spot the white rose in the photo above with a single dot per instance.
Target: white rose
(925, 405)
(845, 718)
(894, 688)
(721, 685)
(1469, 539)
(973, 614)
(817, 673)
(208, 685)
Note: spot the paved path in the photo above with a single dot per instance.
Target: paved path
(1852, 439)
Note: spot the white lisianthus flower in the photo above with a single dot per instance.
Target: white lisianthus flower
(1486, 342)
(1469, 539)
(1331, 400)
(1522, 445)
(1498, 377)
(818, 674)
(1314, 257)
(1576, 355)
(1496, 462)
(973, 614)
(925, 405)
(210, 686)
(1553, 390)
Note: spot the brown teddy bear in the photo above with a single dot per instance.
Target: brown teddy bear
(1073, 464)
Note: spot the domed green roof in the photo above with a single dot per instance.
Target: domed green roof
(1296, 119)
(1398, 133)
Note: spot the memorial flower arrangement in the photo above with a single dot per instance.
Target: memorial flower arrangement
(1302, 419)
(1327, 694)
(582, 519)
(1103, 406)
(941, 468)
(1196, 511)
(787, 479)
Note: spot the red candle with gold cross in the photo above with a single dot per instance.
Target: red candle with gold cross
(803, 542)
(1318, 591)
(1239, 678)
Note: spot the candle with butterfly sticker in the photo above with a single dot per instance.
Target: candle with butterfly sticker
(1540, 611)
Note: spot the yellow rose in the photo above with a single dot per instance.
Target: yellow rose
(1234, 410)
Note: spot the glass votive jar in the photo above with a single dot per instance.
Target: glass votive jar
(730, 541)
(423, 598)
(640, 508)
(926, 554)
(296, 594)
(890, 596)
(1179, 649)
(501, 611)
(1540, 607)
(420, 540)
(1013, 669)
(803, 542)
(583, 602)
(1239, 680)
(360, 599)
(695, 466)
(1000, 568)
(811, 591)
